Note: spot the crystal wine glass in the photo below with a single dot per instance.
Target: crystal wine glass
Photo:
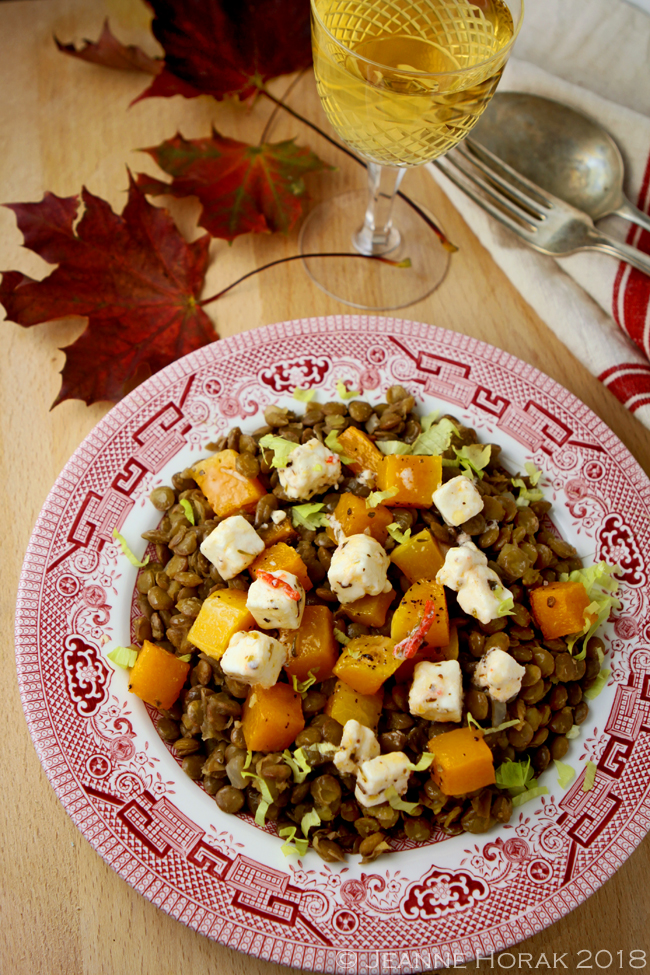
(402, 82)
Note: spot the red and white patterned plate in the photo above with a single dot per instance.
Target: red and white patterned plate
(429, 907)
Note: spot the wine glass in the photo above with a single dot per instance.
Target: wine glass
(402, 82)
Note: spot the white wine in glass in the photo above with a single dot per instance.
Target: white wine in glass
(402, 82)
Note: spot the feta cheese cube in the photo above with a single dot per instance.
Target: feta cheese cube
(278, 516)
(378, 774)
(358, 745)
(254, 658)
(358, 568)
(311, 468)
(458, 500)
(458, 562)
(482, 593)
(274, 607)
(437, 691)
(499, 674)
(232, 546)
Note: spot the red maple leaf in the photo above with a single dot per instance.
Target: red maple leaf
(228, 47)
(111, 53)
(134, 277)
(243, 188)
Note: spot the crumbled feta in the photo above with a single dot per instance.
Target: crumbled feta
(311, 468)
(254, 658)
(358, 568)
(232, 546)
(358, 745)
(482, 593)
(367, 479)
(499, 674)
(437, 691)
(278, 516)
(273, 607)
(459, 561)
(458, 500)
(378, 774)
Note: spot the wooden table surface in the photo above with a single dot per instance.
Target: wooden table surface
(65, 124)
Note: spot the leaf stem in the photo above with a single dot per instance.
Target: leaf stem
(447, 244)
(299, 257)
(279, 104)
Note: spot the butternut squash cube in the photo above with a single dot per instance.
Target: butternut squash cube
(272, 534)
(366, 662)
(418, 558)
(356, 518)
(312, 646)
(462, 762)
(410, 612)
(157, 676)
(282, 556)
(223, 614)
(226, 489)
(415, 477)
(370, 610)
(271, 718)
(345, 703)
(363, 454)
(559, 608)
(404, 674)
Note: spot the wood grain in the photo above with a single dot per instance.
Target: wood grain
(65, 124)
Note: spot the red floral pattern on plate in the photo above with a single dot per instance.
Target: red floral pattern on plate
(221, 875)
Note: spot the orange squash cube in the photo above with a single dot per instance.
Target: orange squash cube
(223, 614)
(271, 718)
(356, 518)
(559, 608)
(157, 676)
(312, 646)
(418, 558)
(272, 534)
(404, 674)
(462, 762)
(411, 611)
(366, 662)
(370, 610)
(363, 454)
(282, 556)
(414, 477)
(226, 489)
(345, 703)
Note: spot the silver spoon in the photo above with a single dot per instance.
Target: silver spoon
(563, 151)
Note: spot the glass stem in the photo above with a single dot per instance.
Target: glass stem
(377, 235)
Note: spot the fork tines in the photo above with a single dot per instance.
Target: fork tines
(506, 194)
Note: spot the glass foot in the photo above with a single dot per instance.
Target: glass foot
(364, 282)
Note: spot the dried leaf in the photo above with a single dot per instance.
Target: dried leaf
(243, 188)
(134, 277)
(111, 53)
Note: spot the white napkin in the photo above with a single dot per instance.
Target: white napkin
(598, 307)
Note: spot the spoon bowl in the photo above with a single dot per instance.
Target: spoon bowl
(563, 151)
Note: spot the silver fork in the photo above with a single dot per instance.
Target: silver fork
(544, 221)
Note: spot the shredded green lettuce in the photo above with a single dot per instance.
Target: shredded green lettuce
(393, 447)
(261, 811)
(436, 439)
(574, 731)
(308, 820)
(248, 758)
(534, 473)
(506, 606)
(310, 516)
(304, 395)
(344, 392)
(522, 797)
(514, 776)
(324, 748)
(501, 727)
(262, 784)
(298, 764)
(341, 637)
(127, 551)
(565, 773)
(400, 804)
(123, 656)
(293, 844)
(601, 586)
(332, 441)
(474, 458)
(526, 494)
(376, 497)
(281, 448)
(302, 686)
(397, 534)
(185, 658)
(471, 720)
(597, 685)
(189, 511)
(425, 762)
(590, 776)
(426, 422)
(354, 653)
